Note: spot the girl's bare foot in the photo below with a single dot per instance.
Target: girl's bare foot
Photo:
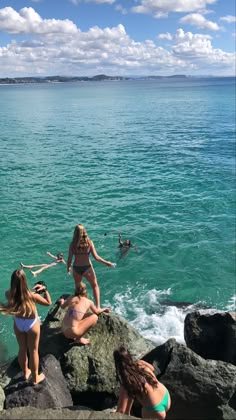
(40, 378)
(33, 273)
(27, 374)
(83, 341)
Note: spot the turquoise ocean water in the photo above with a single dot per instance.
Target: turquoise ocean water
(153, 160)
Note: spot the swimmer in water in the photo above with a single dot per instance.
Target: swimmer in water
(57, 259)
(125, 246)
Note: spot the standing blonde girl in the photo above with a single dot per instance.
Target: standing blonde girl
(80, 248)
(22, 304)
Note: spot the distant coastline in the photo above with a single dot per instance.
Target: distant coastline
(97, 78)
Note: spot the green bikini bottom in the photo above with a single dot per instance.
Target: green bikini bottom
(162, 406)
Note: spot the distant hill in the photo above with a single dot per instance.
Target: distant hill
(59, 79)
(97, 78)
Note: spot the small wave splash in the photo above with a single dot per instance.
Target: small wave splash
(156, 316)
(231, 307)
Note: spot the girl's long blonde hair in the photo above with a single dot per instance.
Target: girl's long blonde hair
(20, 299)
(81, 290)
(80, 238)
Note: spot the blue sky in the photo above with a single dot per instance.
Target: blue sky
(117, 37)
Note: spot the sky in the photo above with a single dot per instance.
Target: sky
(117, 37)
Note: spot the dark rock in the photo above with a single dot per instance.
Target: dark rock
(199, 388)
(51, 393)
(8, 370)
(79, 413)
(89, 370)
(212, 336)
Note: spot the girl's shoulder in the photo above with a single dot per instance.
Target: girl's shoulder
(146, 366)
(84, 299)
(73, 299)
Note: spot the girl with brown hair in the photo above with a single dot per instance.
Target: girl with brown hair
(22, 304)
(138, 381)
(80, 248)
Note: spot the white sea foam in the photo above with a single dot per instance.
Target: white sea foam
(158, 319)
(159, 328)
(232, 304)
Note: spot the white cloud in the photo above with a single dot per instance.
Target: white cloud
(228, 19)
(121, 9)
(200, 22)
(59, 47)
(161, 8)
(198, 49)
(167, 35)
(27, 21)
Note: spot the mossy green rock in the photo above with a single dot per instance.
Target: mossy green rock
(2, 398)
(90, 368)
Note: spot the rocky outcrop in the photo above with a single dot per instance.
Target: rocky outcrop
(212, 336)
(75, 413)
(199, 388)
(51, 393)
(89, 370)
(2, 398)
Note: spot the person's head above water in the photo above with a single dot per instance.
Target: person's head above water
(60, 256)
(80, 237)
(127, 242)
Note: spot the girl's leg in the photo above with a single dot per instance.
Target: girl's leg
(32, 266)
(85, 324)
(22, 354)
(92, 279)
(45, 267)
(33, 346)
(77, 278)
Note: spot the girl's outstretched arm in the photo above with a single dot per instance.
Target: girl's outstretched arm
(120, 241)
(50, 255)
(44, 300)
(124, 403)
(97, 311)
(69, 259)
(98, 258)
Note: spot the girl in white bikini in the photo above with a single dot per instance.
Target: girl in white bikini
(80, 248)
(77, 321)
(22, 304)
